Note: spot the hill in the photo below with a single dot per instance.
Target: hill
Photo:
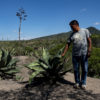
(52, 42)
(92, 30)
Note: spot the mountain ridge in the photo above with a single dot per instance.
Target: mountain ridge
(92, 30)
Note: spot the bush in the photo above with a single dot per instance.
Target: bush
(8, 67)
(94, 63)
(48, 66)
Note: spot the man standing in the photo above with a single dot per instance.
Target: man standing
(80, 53)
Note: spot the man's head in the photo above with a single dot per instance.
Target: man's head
(74, 25)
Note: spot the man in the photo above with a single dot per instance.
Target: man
(80, 53)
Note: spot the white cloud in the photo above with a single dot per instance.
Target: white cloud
(97, 23)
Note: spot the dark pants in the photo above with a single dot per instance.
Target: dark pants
(83, 61)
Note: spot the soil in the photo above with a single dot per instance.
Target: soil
(62, 90)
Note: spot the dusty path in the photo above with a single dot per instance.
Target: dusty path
(12, 90)
(93, 84)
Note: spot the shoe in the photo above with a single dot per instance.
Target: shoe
(83, 87)
(76, 85)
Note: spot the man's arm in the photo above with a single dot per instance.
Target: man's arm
(66, 49)
(67, 44)
(89, 46)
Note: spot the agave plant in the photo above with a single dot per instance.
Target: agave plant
(8, 67)
(48, 66)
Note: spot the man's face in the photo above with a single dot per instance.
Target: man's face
(74, 27)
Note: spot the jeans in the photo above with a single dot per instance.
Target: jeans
(83, 61)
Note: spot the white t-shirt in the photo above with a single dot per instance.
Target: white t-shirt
(79, 40)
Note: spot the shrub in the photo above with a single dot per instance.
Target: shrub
(8, 67)
(50, 67)
(94, 63)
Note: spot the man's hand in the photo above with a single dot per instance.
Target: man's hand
(63, 55)
(89, 54)
(65, 50)
(90, 46)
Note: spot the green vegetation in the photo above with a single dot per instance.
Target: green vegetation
(96, 40)
(54, 43)
(8, 67)
(94, 63)
(50, 67)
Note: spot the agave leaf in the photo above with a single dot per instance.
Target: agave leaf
(55, 61)
(5, 57)
(7, 64)
(46, 55)
(37, 68)
(34, 74)
(59, 52)
(12, 71)
(30, 66)
(36, 54)
(42, 61)
(59, 68)
(12, 62)
(7, 68)
(9, 58)
(0, 54)
(12, 51)
(44, 65)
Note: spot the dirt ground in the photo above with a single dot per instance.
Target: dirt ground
(93, 84)
(13, 90)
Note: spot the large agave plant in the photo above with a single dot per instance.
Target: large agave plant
(50, 67)
(7, 65)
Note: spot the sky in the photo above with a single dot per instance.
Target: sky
(46, 17)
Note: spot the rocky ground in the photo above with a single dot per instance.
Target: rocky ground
(63, 90)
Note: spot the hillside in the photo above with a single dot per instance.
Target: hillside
(92, 30)
(62, 35)
(54, 42)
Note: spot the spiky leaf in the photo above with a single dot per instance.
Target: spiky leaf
(36, 68)
(7, 64)
(32, 65)
(0, 54)
(45, 55)
(34, 74)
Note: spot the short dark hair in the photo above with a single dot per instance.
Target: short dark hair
(74, 22)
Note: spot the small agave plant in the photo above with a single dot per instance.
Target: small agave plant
(50, 67)
(8, 67)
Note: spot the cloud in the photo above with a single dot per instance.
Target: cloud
(97, 23)
(83, 10)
